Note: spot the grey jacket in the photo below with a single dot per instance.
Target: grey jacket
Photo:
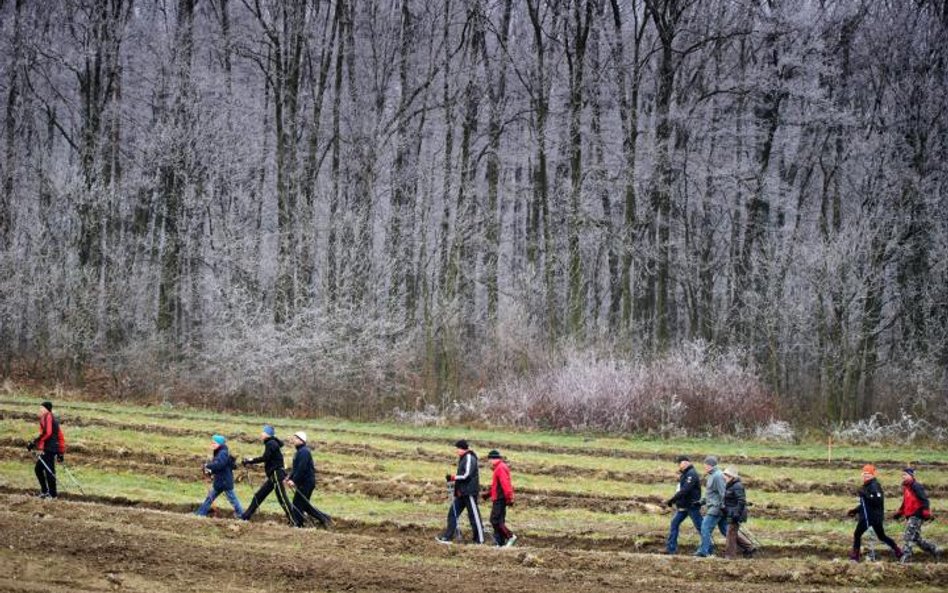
(714, 493)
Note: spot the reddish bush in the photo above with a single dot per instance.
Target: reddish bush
(692, 389)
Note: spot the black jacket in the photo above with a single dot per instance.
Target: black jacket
(871, 503)
(689, 490)
(272, 458)
(303, 473)
(466, 480)
(735, 501)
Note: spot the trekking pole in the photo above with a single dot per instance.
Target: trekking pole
(39, 458)
(284, 502)
(750, 536)
(73, 478)
(872, 536)
(454, 509)
(312, 506)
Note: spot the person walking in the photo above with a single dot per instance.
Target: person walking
(501, 495)
(714, 507)
(272, 460)
(686, 501)
(49, 447)
(735, 509)
(222, 468)
(915, 509)
(466, 489)
(302, 478)
(870, 513)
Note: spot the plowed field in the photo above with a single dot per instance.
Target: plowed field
(589, 513)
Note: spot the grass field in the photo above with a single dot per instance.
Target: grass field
(589, 508)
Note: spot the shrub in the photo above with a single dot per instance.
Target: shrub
(692, 389)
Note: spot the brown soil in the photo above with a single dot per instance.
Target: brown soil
(63, 546)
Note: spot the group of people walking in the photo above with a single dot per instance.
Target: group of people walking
(464, 487)
(724, 501)
(725, 504)
(725, 508)
(301, 479)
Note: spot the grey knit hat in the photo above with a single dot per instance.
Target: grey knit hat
(711, 460)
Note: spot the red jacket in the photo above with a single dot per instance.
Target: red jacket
(501, 486)
(914, 501)
(50, 437)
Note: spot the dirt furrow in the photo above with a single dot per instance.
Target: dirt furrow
(597, 452)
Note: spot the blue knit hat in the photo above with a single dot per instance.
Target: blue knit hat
(220, 440)
(268, 430)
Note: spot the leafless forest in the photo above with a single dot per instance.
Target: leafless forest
(363, 205)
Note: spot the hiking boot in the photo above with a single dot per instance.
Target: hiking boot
(443, 540)
(43, 495)
(750, 553)
(854, 556)
(900, 554)
(510, 542)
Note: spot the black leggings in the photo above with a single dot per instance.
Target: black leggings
(46, 474)
(861, 528)
(274, 482)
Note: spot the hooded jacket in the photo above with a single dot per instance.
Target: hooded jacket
(735, 501)
(222, 466)
(689, 489)
(871, 503)
(272, 458)
(466, 480)
(303, 473)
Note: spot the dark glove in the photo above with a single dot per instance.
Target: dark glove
(31, 445)
(852, 512)
(485, 495)
(510, 504)
(59, 457)
(670, 502)
(448, 478)
(896, 516)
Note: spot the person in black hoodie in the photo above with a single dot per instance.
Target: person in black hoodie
(686, 501)
(272, 460)
(735, 509)
(466, 488)
(870, 513)
(302, 478)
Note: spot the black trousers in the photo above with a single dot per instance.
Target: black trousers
(302, 505)
(458, 505)
(862, 527)
(46, 475)
(498, 520)
(271, 484)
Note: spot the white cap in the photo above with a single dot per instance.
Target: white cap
(301, 436)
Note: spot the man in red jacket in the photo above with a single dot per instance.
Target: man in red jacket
(501, 495)
(915, 509)
(50, 445)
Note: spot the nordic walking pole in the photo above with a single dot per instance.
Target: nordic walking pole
(73, 478)
(872, 536)
(39, 458)
(312, 506)
(454, 509)
(750, 536)
(285, 503)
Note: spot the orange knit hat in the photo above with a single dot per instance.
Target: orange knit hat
(869, 469)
